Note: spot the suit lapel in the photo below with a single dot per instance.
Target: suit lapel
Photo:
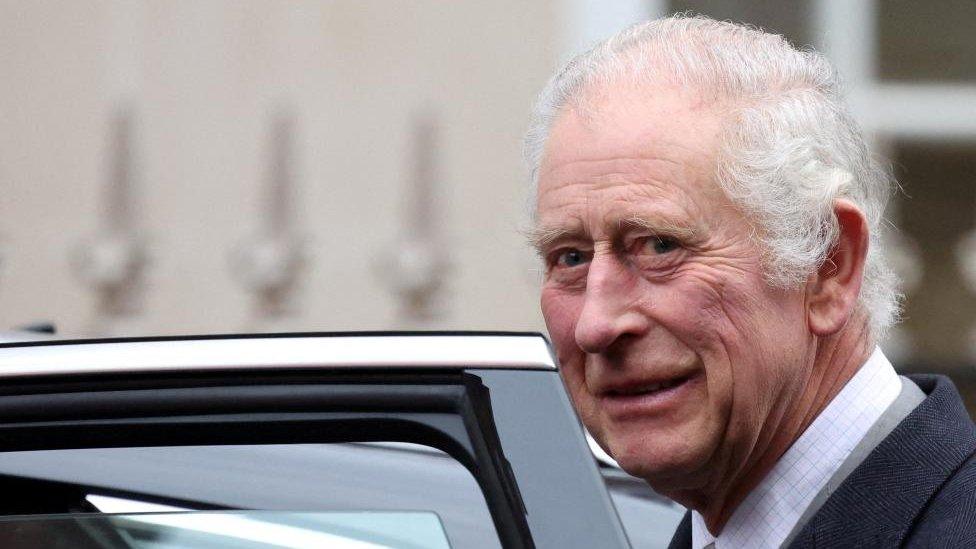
(879, 502)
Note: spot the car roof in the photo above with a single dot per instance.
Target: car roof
(15, 336)
(423, 350)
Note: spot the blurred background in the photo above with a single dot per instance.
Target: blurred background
(206, 166)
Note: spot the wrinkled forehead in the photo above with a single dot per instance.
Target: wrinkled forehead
(632, 120)
(665, 140)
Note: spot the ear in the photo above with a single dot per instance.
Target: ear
(831, 294)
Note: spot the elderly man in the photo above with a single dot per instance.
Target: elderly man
(715, 286)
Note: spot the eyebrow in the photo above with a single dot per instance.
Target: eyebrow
(659, 226)
(540, 237)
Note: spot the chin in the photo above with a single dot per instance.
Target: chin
(664, 462)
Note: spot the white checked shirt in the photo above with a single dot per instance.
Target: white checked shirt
(768, 514)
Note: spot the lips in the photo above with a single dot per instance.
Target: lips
(644, 388)
(648, 398)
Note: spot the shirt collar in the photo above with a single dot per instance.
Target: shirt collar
(768, 514)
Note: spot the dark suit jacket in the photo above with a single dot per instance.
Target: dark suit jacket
(916, 489)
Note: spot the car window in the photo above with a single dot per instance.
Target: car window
(173, 528)
(328, 488)
(649, 518)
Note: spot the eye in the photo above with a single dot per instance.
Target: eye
(662, 244)
(571, 258)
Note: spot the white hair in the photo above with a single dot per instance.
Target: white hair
(788, 149)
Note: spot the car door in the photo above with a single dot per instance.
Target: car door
(197, 443)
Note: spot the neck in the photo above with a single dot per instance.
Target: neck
(836, 360)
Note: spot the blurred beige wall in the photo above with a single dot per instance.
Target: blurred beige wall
(203, 81)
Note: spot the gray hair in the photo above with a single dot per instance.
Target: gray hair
(790, 146)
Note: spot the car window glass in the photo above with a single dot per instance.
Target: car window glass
(648, 518)
(353, 478)
(173, 529)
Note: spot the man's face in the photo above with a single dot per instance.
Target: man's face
(679, 357)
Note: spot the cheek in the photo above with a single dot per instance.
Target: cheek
(747, 333)
(693, 312)
(728, 310)
(561, 311)
(705, 317)
(761, 322)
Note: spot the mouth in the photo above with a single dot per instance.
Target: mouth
(648, 398)
(647, 388)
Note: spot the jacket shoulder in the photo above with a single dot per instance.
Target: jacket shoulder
(949, 520)
(920, 480)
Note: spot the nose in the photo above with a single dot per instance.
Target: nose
(610, 309)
